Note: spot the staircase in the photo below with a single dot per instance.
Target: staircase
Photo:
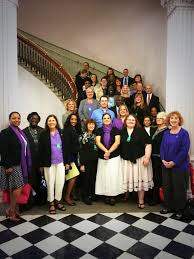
(70, 60)
(36, 60)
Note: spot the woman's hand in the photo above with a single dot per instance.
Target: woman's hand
(67, 167)
(106, 155)
(82, 168)
(168, 164)
(9, 170)
(146, 161)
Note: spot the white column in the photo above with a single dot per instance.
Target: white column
(180, 61)
(8, 58)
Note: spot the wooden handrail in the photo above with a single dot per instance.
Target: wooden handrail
(51, 61)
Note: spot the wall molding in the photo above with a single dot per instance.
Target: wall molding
(171, 5)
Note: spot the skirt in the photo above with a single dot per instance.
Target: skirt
(109, 177)
(13, 180)
(137, 177)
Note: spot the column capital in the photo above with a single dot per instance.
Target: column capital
(15, 2)
(171, 5)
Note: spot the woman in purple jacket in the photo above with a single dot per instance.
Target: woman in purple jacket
(175, 174)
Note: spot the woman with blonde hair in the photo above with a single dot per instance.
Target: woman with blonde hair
(70, 107)
(139, 108)
(123, 112)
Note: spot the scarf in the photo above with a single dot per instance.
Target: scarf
(26, 162)
(157, 132)
(106, 137)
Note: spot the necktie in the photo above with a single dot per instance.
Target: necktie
(148, 99)
(125, 81)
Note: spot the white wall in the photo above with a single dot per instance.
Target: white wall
(125, 33)
(35, 96)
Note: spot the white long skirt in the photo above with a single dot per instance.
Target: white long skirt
(137, 177)
(109, 180)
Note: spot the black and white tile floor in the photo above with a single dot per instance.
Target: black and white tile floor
(90, 236)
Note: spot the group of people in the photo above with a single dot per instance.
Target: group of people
(111, 145)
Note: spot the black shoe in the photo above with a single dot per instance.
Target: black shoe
(165, 211)
(87, 201)
(178, 215)
(107, 200)
(152, 203)
(112, 201)
(94, 198)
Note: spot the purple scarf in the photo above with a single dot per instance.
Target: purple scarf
(106, 138)
(26, 162)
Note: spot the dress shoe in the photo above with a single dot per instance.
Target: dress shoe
(165, 211)
(178, 215)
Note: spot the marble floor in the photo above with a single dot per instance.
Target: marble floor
(98, 231)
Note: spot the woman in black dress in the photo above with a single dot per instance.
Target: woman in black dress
(156, 161)
(88, 161)
(71, 133)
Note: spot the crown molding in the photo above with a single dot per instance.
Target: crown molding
(171, 5)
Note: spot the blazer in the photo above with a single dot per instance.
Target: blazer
(83, 111)
(114, 109)
(45, 149)
(10, 148)
(71, 143)
(154, 101)
(130, 80)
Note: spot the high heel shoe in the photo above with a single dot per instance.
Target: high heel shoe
(7, 213)
(12, 216)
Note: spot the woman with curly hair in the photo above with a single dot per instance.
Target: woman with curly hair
(175, 161)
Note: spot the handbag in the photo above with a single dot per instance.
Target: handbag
(161, 193)
(73, 172)
(22, 199)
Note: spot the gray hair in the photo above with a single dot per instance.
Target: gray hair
(161, 115)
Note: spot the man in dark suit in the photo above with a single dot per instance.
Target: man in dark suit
(126, 79)
(118, 100)
(80, 79)
(150, 99)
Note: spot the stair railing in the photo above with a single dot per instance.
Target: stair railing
(33, 56)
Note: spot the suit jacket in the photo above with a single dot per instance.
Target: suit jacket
(130, 80)
(10, 148)
(154, 102)
(114, 109)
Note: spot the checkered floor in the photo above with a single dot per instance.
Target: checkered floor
(89, 236)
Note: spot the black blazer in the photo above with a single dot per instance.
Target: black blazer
(152, 131)
(154, 102)
(130, 80)
(135, 148)
(10, 148)
(45, 149)
(114, 109)
(71, 143)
